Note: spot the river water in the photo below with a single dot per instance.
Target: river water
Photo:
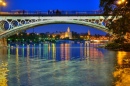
(63, 65)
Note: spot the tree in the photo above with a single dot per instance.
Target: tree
(120, 10)
(57, 36)
(115, 7)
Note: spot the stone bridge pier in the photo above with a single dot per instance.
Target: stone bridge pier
(3, 42)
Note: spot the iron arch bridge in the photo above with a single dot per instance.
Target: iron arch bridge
(12, 24)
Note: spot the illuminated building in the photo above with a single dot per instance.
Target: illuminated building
(88, 36)
(67, 34)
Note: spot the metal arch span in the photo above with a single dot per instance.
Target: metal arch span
(37, 21)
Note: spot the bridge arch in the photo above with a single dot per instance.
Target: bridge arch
(40, 23)
(14, 23)
(22, 22)
(5, 25)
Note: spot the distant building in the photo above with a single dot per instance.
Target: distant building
(98, 38)
(88, 35)
(67, 34)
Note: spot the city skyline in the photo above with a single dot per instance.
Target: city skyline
(63, 27)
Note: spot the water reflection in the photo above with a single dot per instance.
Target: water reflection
(56, 51)
(122, 73)
(3, 74)
(57, 65)
(17, 66)
(53, 51)
(3, 67)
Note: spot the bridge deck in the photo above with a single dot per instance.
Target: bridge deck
(51, 13)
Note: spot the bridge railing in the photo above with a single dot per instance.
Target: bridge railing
(51, 12)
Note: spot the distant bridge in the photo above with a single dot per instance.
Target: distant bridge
(17, 21)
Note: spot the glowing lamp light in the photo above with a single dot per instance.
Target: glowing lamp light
(119, 2)
(4, 4)
(123, 0)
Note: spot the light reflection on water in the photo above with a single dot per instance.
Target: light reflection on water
(62, 65)
(59, 51)
(3, 67)
(122, 72)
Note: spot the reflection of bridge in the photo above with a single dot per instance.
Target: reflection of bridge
(14, 22)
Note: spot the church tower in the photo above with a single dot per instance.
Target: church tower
(88, 36)
(89, 33)
(68, 34)
(68, 30)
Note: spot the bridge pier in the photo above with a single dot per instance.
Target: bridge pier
(3, 42)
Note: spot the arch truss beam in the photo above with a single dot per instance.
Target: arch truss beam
(10, 25)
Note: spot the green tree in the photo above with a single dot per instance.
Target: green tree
(119, 9)
(57, 36)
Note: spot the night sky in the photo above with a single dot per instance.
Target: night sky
(64, 5)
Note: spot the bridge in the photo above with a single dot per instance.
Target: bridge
(17, 21)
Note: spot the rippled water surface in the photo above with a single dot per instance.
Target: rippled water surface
(63, 65)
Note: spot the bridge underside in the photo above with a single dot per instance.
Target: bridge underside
(10, 27)
(18, 29)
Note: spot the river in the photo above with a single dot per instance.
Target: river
(63, 65)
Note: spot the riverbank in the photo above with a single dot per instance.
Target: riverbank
(117, 46)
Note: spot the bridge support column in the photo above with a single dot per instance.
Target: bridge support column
(3, 42)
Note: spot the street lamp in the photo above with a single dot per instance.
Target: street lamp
(122, 2)
(119, 2)
(2, 3)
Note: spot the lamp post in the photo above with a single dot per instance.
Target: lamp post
(2, 3)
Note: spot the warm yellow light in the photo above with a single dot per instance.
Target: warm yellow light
(120, 57)
(123, 0)
(4, 4)
(119, 2)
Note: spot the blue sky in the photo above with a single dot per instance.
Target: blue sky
(44, 5)
(65, 5)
